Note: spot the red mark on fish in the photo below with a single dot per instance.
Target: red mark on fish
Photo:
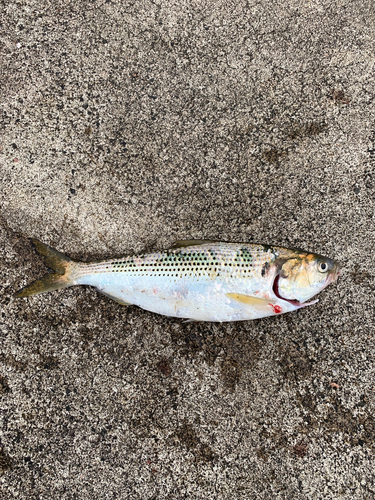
(276, 309)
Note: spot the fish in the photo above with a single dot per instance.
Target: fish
(198, 280)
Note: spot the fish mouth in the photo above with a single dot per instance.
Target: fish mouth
(276, 291)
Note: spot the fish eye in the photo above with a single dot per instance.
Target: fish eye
(323, 266)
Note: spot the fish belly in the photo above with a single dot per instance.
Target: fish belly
(193, 299)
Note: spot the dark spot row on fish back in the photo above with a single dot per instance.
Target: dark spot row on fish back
(181, 260)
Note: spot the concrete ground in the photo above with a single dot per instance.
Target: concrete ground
(126, 125)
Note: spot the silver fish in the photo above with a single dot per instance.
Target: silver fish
(198, 280)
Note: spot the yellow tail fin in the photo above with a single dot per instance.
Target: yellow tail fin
(55, 260)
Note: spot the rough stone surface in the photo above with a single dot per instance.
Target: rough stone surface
(126, 125)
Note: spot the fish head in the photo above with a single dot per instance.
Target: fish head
(303, 275)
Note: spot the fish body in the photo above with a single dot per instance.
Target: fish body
(199, 280)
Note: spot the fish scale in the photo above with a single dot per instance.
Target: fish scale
(200, 281)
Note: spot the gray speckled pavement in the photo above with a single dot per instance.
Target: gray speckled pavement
(125, 126)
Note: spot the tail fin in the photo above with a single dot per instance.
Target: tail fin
(51, 281)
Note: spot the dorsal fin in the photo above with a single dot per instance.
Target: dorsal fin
(190, 243)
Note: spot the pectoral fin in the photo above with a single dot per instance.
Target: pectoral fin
(256, 303)
(249, 300)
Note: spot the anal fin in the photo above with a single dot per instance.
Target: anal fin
(116, 299)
